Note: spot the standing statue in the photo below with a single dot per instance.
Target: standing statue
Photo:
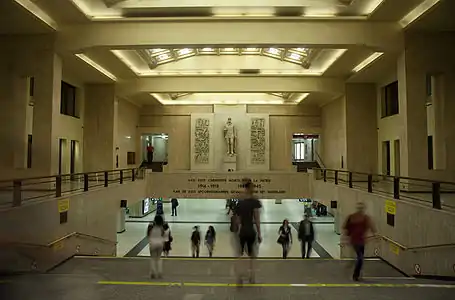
(230, 137)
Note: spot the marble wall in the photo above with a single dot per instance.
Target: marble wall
(208, 146)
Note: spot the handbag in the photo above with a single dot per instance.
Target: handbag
(281, 240)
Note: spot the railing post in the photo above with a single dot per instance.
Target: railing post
(396, 187)
(17, 193)
(324, 173)
(436, 191)
(121, 176)
(350, 179)
(370, 183)
(336, 176)
(106, 179)
(85, 182)
(58, 186)
(133, 175)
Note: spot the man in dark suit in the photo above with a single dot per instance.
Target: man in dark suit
(306, 236)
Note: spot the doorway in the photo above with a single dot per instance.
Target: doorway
(386, 157)
(396, 151)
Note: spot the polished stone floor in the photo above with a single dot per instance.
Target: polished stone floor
(206, 212)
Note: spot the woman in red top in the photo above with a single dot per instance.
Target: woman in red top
(356, 227)
(150, 150)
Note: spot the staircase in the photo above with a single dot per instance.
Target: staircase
(209, 279)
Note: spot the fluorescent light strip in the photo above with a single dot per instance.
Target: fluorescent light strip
(37, 12)
(96, 66)
(126, 61)
(330, 61)
(368, 61)
(372, 6)
(211, 102)
(82, 6)
(417, 12)
(301, 98)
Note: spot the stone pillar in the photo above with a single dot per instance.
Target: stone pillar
(100, 127)
(46, 111)
(361, 128)
(19, 133)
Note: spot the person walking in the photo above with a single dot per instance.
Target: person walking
(174, 205)
(195, 241)
(159, 207)
(285, 237)
(210, 239)
(356, 227)
(155, 235)
(249, 229)
(150, 150)
(306, 236)
(167, 239)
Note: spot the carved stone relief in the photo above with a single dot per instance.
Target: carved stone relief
(202, 141)
(258, 147)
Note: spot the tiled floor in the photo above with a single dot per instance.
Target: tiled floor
(212, 212)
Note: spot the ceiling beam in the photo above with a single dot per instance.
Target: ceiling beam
(232, 84)
(380, 36)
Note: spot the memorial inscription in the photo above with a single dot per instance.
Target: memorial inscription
(226, 187)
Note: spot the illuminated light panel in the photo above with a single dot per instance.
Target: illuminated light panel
(336, 55)
(417, 12)
(295, 56)
(38, 12)
(368, 61)
(126, 61)
(216, 100)
(372, 6)
(274, 51)
(82, 6)
(301, 98)
(96, 66)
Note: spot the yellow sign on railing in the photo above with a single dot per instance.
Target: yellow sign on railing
(391, 207)
(63, 205)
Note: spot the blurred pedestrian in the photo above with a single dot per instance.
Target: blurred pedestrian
(356, 227)
(306, 236)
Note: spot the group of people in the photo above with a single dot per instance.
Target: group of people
(246, 231)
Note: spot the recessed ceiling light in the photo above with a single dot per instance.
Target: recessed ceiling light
(295, 56)
(163, 56)
(368, 61)
(208, 49)
(274, 51)
(185, 51)
(96, 66)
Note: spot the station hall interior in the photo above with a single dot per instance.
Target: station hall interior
(111, 108)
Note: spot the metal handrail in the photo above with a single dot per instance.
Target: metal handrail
(406, 248)
(63, 175)
(48, 245)
(320, 159)
(385, 175)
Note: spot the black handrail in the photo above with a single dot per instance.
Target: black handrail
(435, 185)
(53, 185)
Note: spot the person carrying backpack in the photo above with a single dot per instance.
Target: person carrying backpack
(195, 241)
(155, 235)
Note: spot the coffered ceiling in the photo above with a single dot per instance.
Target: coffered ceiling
(288, 51)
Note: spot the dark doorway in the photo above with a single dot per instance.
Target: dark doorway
(386, 157)
(60, 155)
(73, 157)
(430, 152)
(29, 151)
